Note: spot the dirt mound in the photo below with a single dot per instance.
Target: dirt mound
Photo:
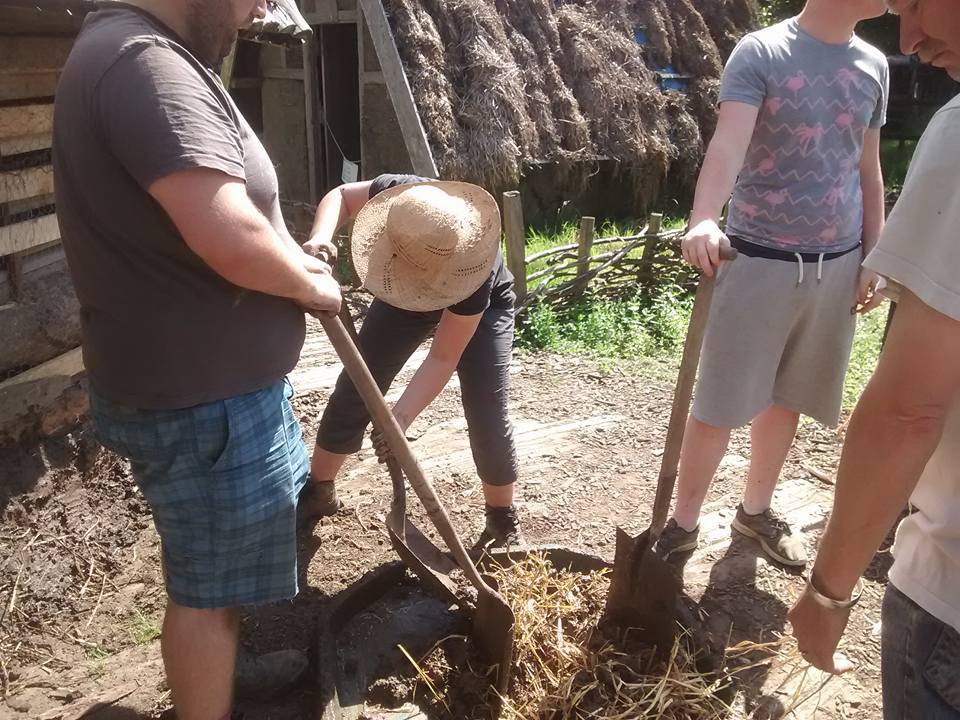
(64, 541)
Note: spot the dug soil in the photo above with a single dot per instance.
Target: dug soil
(81, 592)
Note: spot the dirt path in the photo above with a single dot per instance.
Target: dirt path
(589, 443)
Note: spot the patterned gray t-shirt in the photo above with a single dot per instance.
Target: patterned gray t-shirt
(799, 188)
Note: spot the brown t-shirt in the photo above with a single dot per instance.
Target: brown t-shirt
(161, 330)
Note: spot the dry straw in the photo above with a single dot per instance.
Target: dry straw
(565, 670)
(504, 83)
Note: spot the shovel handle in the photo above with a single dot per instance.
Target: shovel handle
(393, 467)
(728, 253)
(384, 420)
(682, 394)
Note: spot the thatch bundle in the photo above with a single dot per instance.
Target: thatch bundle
(501, 84)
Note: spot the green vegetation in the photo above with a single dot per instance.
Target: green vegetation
(143, 629)
(895, 157)
(866, 351)
(96, 652)
(636, 328)
(97, 655)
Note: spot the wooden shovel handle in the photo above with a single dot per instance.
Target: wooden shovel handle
(393, 467)
(384, 420)
(682, 394)
(728, 253)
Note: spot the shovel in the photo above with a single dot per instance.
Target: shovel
(644, 588)
(426, 560)
(493, 621)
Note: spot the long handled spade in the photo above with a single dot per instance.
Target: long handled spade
(493, 621)
(425, 559)
(644, 588)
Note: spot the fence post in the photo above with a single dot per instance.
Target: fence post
(584, 250)
(656, 220)
(515, 234)
(649, 247)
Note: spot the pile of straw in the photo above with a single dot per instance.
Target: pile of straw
(563, 668)
(504, 83)
(564, 672)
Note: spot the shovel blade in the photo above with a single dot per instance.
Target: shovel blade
(644, 592)
(493, 625)
(424, 559)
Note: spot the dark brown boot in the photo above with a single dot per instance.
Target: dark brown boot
(502, 529)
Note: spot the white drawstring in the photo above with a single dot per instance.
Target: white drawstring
(799, 258)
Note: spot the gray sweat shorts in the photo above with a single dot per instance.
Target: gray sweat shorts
(774, 339)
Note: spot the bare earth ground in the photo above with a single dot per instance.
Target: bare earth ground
(80, 588)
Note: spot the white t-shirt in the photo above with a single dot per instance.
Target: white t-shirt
(920, 250)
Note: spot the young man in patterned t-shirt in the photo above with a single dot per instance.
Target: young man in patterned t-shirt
(798, 139)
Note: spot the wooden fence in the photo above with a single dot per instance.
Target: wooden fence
(574, 268)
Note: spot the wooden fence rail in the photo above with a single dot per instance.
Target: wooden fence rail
(571, 269)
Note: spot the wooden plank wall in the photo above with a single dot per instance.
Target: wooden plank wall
(29, 70)
(40, 364)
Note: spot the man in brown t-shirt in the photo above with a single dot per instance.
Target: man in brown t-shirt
(192, 297)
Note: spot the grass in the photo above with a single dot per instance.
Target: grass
(143, 629)
(895, 158)
(630, 329)
(866, 351)
(98, 656)
(97, 652)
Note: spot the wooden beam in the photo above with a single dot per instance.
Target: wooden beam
(31, 54)
(26, 183)
(21, 120)
(246, 83)
(516, 237)
(28, 234)
(25, 144)
(26, 21)
(282, 73)
(361, 69)
(26, 86)
(311, 90)
(399, 88)
(321, 12)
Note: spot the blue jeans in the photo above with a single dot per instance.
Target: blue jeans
(921, 662)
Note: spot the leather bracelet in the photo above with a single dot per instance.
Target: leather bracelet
(830, 603)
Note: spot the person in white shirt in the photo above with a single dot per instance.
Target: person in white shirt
(903, 442)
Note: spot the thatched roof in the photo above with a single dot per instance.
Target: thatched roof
(502, 84)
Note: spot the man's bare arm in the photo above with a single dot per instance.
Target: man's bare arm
(224, 228)
(893, 433)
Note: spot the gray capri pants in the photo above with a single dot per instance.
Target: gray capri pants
(388, 337)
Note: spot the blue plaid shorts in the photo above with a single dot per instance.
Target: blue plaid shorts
(222, 480)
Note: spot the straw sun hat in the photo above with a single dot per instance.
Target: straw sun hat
(426, 246)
